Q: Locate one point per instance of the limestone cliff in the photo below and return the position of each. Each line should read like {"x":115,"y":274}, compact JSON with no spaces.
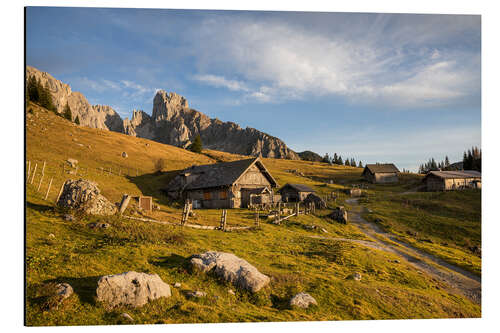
{"x":171,"y":122}
{"x":99,"y":116}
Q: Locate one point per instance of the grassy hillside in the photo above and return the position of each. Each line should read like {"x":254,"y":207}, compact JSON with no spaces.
{"x":65,"y":251}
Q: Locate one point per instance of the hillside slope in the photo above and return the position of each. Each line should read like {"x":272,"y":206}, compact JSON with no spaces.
{"x":69,"y":251}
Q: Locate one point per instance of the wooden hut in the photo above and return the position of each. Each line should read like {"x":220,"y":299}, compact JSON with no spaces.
{"x":224,"y":185}
{"x":381,"y":173}
{"x":452,"y":180}
{"x":295,"y":192}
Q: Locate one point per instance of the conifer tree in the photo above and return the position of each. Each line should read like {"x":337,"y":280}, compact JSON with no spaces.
{"x":360,"y":165}
{"x":67,"y":112}
{"x":197,"y":145}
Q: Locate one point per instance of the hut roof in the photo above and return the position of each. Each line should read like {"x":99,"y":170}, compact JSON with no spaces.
{"x":218,"y":174}
{"x":299,"y":187}
{"x":381,"y":168}
{"x":455,"y":174}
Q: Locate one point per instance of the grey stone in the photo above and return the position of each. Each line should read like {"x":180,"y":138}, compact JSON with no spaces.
{"x":85,"y":196}
{"x":177,"y":285}
{"x":69,"y":217}
{"x":302,"y":300}
{"x":124,"y":155}
{"x":72,"y":162}
{"x":231,"y":291}
{"x":131,"y":288}
{"x":64,"y":290}
{"x":52,"y":236}
{"x":231,"y":268}
{"x":356,"y":276}
{"x":196,"y":294}
{"x":127,"y":317}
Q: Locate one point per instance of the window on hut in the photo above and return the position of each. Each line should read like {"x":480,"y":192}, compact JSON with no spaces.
{"x":206,"y":195}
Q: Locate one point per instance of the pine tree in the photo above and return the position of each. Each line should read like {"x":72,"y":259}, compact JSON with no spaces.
{"x":446,"y":162}
{"x":335,"y":159}
{"x":326,"y":158}
{"x":340,"y":161}
{"x":67,"y":113}
{"x":360,"y":165}
{"x":32,"y":90}
{"x":347,"y":163}
{"x":353,"y":162}
{"x":197,"y":145}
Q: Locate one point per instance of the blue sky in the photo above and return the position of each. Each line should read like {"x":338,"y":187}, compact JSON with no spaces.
{"x":376,"y":87}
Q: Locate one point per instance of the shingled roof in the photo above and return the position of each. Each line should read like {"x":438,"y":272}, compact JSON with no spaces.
{"x":218,"y":174}
{"x":299,"y":187}
{"x":381,"y":168}
{"x":455,"y":174}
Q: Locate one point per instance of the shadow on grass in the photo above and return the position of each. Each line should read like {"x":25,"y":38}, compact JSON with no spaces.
{"x":38,"y":207}
{"x":280,"y":303}
{"x":153,"y":184}
{"x":84,"y":287}
{"x":171,"y":261}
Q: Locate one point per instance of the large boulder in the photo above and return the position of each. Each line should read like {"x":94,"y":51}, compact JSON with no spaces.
{"x":131,"y":288}
{"x":231,"y":268}
{"x":85,"y":196}
{"x":302,"y":300}
{"x":339,"y":214}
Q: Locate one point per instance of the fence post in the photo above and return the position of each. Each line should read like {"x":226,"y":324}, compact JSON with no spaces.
{"x":297,"y":209}
{"x":124,"y":203}
{"x":223,"y":220}
{"x":60,"y":192}
{"x":48,"y":189}
{"x":43,"y":168}
{"x":34,"y":173}
{"x":40,"y":183}
{"x":29,"y":171}
{"x":256,"y":217}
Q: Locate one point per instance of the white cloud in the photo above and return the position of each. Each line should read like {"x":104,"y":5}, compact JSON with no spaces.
{"x":392,"y":67}
{"x":220,"y":81}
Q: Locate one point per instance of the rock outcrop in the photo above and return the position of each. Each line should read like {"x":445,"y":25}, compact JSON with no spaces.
{"x":131,"y":288}
{"x":302,"y":300}
{"x":85,"y":196}
{"x":98,"y":116}
{"x":231,"y":268}
{"x":171,"y":122}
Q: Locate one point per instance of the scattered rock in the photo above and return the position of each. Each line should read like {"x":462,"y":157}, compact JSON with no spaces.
{"x":231,"y":291}
{"x":131,"y":288}
{"x":69,"y":217}
{"x":99,"y":225}
{"x":302,"y":300}
{"x":231,"y":268}
{"x":124,"y":155}
{"x":356,"y":276}
{"x":324,"y":230}
{"x":127,"y":317}
{"x":396,"y":261}
{"x":72,"y":162}
{"x":84,"y":195}
{"x":177,"y":285}
{"x":196,"y":294}
{"x":64,"y":290}
{"x":52,"y":236}
{"x":339,"y":215}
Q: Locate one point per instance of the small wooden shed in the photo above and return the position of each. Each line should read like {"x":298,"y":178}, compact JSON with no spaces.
{"x":294,"y":192}
{"x":452,"y":180}
{"x":381,"y":173}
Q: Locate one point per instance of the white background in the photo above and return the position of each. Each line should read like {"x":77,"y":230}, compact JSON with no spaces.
{"x":12,"y":157}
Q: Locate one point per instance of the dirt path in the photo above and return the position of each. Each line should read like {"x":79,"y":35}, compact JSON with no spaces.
{"x":458,"y":279}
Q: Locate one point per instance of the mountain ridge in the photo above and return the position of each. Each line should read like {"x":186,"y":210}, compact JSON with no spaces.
{"x":172,"y":122}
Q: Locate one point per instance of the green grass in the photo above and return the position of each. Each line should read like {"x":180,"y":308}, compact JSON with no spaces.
{"x":446,"y":224}
{"x":295,"y":262}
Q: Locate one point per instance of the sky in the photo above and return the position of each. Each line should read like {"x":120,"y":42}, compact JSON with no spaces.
{"x":398,"y":88}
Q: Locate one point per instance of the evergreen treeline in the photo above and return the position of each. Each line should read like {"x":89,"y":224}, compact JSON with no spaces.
{"x":337,"y":159}
{"x":39,"y":94}
{"x":471,"y":161}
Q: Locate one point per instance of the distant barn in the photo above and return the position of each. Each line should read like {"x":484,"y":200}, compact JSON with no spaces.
{"x":452,"y":180}
{"x":224,"y":185}
{"x":381,"y":173}
{"x":295,"y":192}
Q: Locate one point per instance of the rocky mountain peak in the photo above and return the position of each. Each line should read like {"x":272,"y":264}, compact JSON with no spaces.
{"x":167,"y":105}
